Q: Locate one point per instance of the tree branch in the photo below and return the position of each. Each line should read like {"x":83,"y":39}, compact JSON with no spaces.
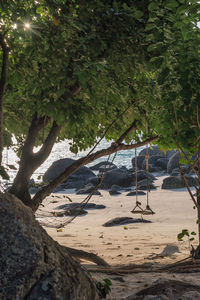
{"x":48,"y":189}
{"x":40,"y":156}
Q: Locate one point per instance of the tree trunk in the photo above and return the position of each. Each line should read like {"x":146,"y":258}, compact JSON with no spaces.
{"x":34,"y":266}
{"x":30,"y":161}
{"x":4,"y":70}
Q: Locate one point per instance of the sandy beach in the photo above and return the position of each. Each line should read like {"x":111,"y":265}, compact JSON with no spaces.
{"x":136,"y":243}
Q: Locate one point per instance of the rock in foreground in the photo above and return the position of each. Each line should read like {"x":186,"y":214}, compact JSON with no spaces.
{"x":33,"y":265}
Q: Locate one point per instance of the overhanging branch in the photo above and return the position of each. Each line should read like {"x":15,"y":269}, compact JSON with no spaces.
{"x":48,"y":189}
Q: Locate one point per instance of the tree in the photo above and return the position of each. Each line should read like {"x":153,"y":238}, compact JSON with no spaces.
{"x":174,"y":108}
{"x":65,"y":78}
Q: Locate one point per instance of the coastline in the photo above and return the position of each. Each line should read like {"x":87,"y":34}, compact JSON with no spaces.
{"x":136,"y":243}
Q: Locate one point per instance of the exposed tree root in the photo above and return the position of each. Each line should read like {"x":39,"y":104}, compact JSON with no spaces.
{"x":80,"y":254}
{"x":187,"y":265}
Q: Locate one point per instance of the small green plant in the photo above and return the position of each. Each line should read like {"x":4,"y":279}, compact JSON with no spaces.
{"x":104,"y":288}
{"x":190,"y":236}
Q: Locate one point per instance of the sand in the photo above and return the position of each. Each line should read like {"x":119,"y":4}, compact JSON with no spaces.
{"x":139,"y":243}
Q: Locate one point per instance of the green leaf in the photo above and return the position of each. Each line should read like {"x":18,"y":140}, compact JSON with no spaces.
{"x":192,"y":239}
{"x":193,"y":233}
{"x":153,"y":6}
{"x":171,"y":4}
{"x":3,"y":173}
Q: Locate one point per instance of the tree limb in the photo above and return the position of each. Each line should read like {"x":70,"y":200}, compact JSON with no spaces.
{"x":4,"y":71}
{"x":48,"y":189}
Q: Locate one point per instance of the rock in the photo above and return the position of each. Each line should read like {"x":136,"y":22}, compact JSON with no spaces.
{"x":114,"y":193}
{"x":116,"y":177}
{"x":93,"y":180}
{"x":142,"y":175}
{"x":82,"y":175}
{"x":116,"y":187}
{"x":153,"y":150}
{"x":144,"y":186}
{"x":133,"y":193}
{"x":123,"y":221}
{"x":162,"y":163}
{"x":191,"y":295}
{"x":75,"y":205}
{"x":76,"y":212}
{"x":140,"y":160}
{"x":173,"y":162}
{"x":102,"y":164}
{"x":88,"y":189}
{"x":176,"y":182}
{"x":169,"y":250}
{"x":33,"y":265}
{"x":172,"y":289}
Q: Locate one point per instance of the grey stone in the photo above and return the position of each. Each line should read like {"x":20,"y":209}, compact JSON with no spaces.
{"x":88,"y":189}
{"x":162,"y":163}
{"x":60,"y":165}
{"x":123,"y":221}
{"x":39,"y":268}
{"x":191,"y":295}
{"x":117,"y":177}
{"x":175,"y":182}
{"x":173,"y":162}
{"x":133,"y":193}
{"x":114,"y":193}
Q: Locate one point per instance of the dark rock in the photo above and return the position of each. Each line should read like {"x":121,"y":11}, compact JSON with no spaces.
{"x":142,"y":175}
{"x":172,"y":289}
{"x":116,"y":187}
{"x":76,"y":212}
{"x":153,"y":150}
{"x":123,"y":221}
{"x":133,"y":193}
{"x":162,"y":163}
{"x":102,"y":164}
{"x":93,"y":180}
{"x":173,"y":162}
{"x":82,"y":175}
{"x":116,"y":177}
{"x":145,"y":187}
{"x":99,"y":206}
{"x":175,"y":182}
{"x":88,"y":189}
{"x":74,"y":205}
{"x":33,"y":265}
{"x":114,"y":193}
{"x":140,"y":160}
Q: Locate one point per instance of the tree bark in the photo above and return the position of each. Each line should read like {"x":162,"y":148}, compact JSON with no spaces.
{"x":4,"y":70}
{"x":48,"y":189}
{"x":30,"y":161}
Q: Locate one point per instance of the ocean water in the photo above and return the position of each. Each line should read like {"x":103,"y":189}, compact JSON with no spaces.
{"x":61,"y":150}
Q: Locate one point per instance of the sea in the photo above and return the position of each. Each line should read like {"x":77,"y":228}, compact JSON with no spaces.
{"x":62,"y":150}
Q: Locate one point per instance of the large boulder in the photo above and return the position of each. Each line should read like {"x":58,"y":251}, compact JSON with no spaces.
{"x":76,"y":180}
{"x":176,"y":182}
{"x":173,"y":162}
{"x":33,"y":265}
{"x":152,"y":151}
{"x":123,"y":179}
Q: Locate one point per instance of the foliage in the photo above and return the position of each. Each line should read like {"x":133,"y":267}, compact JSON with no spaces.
{"x":175,"y":39}
{"x":78,"y":62}
{"x":104,"y":288}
